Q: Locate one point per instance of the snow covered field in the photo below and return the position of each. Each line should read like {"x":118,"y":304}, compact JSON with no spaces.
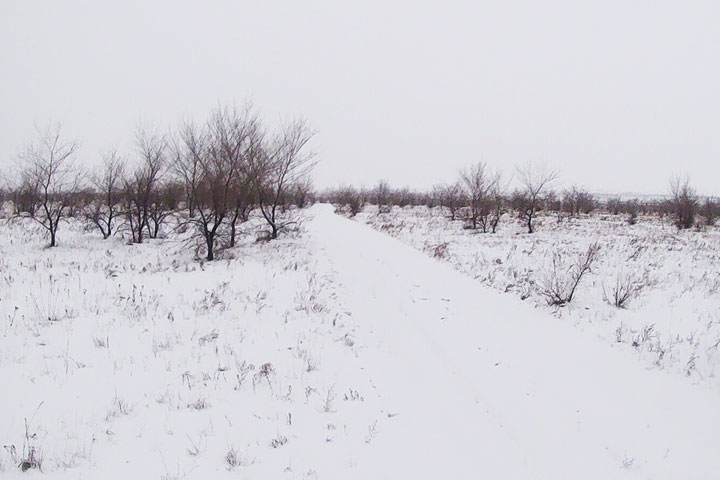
{"x":136,"y":360}
{"x":339,"y":352}
{"x":671,"y":322}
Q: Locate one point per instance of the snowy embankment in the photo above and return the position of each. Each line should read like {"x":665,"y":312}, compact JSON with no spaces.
{"x":337,"y":353}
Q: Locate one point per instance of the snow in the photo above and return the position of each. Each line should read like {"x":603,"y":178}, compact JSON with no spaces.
{"x":384,"y":363}
{"x":673,"y":323}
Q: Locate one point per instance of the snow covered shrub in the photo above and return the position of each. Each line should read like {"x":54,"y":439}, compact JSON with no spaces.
{"x":561,"y":282}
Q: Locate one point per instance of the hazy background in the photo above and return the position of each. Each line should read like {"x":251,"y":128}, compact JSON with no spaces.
{"x":617,"y":95}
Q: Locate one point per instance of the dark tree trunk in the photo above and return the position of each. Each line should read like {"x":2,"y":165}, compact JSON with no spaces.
{"x":210,"y":240}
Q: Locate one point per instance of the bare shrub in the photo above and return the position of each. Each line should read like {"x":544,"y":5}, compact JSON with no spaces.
{"x":232,"y":459}
{"x":329,"y":400}
{"x":561,"y":283}
{"x":626,"y":287}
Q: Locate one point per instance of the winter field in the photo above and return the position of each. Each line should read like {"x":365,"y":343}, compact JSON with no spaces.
{"x":670,"y":320}
{"x":338,"y":351}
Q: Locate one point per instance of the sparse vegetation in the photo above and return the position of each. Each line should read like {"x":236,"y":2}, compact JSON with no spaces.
{"x":561,"y":282}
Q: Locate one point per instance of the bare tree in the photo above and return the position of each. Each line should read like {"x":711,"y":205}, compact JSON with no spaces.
{"x":497,"y":203}
{"x":381,"y":196}
{"x":577,"y":200}
{"x":186,"y":149}
{"x":349,"y":197}
{"x":103,"y":212}
{"x":710,"y":211}
{"x":450,"y":196}
{"x":140,"y":187}
{"x":219,"y":152}
{"x":684,"y":202}
{"x":23,"y":194}
{"x":478,"y":183}
{"x":278,"y":165}
{"x":534,"y":181}
{"x":244,"y":196}
{"x":162,"y":199}
{"x":614,"y":205}
{"x":49,"y":176}
{"x":302,"y":193}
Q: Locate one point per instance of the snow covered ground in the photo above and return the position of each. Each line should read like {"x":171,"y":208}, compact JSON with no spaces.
{"x":336,"y":352}
{"x":672,"y":323}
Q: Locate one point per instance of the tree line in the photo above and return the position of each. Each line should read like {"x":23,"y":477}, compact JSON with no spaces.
{"x":209,"y":175}
{"x":480,"y":198}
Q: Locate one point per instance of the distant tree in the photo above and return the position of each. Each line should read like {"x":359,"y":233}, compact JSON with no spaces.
{"x":534,"y":181}
{"x":350,"y":198}
{"x":497,"y":204}
{"x":710,"y":211}
{"x":23,"y":195}
{"x":105,"y":210}
{"x":302,"y":193}
{"x":684,"y":202}
{"x":614,"y":205}
{"x":402,"y":197}
{"x":48,"y":178}
{"x":631,"y":209}
{"x":577,"y":200}
{"x":478,"y":183}
{"x":381,"y":195}
{"x":450,"y":196}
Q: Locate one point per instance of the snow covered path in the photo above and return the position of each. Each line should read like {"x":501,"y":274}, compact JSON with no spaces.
{"x":479,"y":385}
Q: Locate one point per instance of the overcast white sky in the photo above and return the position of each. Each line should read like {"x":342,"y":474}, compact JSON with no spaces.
{"x":617,"y":95}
